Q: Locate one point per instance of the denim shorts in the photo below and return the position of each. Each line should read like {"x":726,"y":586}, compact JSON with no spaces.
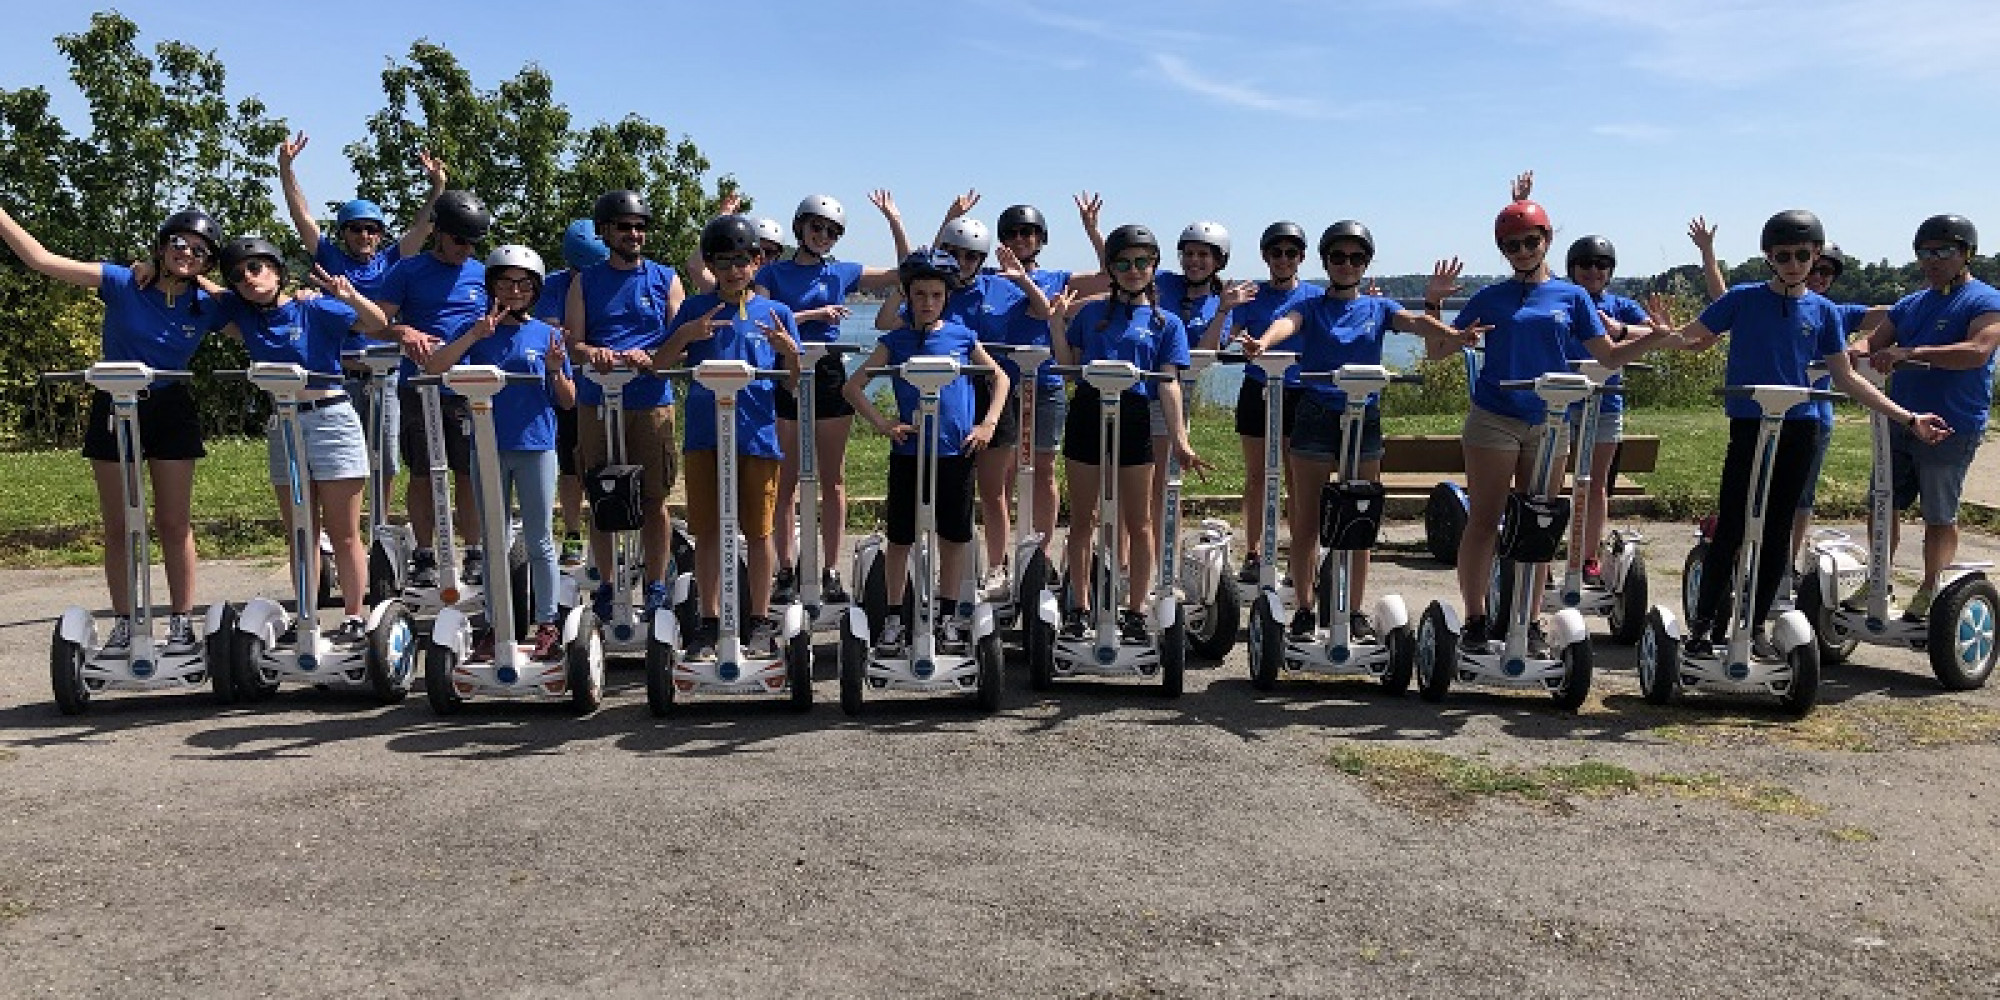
{"x":1811,"y":495}
{"x":1051,"y":410}
{"x":1316,"y":430}
{"x":1931,"y":473}
{"x":1610,"y":427}
{"x":336,"y":447}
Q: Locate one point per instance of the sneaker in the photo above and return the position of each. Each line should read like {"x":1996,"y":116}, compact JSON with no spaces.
{"x":764,"y":635}
{"x":998,"y":586}
{"x":572,"y":550}
{"x":482,"y":645}
{"x":656,"y":596}
{"x":891,"y":640}
{"x":600,"y":602}
{"x":290,"y":636}
{"x":954,"y":630}
{"x":1762,"y":649}
{"x":1475,"y":639}
{"x":1132,"y":628}
{"x":1697,"y":644}
{"x":180,"y":636}
{"x":1361,"y":628}
{"x":1538,"y":640}
{"x":120,"y":641}
{"x":701,"y":642}
{"x":548,"y":642}
{"x":785,"y":589}
{"x":1303,"y":624}
{"x":474,"y":573}
{"x":830,"y":589}
{"x":424,"y":568}
{"x":1920,"y":604}
{"x":1593,"y":574}
{"x":352,"y":632}
{"x":1253,"y":568}
{"x":1075,"y":624}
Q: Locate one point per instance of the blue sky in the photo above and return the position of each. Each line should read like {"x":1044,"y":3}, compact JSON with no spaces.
{"x":1409,"y":115}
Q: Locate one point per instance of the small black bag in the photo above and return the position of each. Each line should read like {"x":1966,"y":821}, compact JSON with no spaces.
{"x":1534,"y":528}
{"x":617,"y":497}
{"x":1350,"y":515}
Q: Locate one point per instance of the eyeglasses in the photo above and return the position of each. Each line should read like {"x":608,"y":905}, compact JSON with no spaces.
{"x":249,"y":267}
{"x":198,"y":251}
{"x":730,"y":260}
{"x":1826,"y":272}
{"x":1284,"y":251}
{"x":1018,"y":231}
{"x":630,"y":227}
{"x":770,"y":251}
{"x":521,"y":283}
{"x":1788,"y":256}
{"x":1520,"y":243}
{"x":1354,"y":258}
{"x":963,"y":254}
{"x":1946,"y":252}
{"x":824,"y":228}
{"x":1597,"y":263}
{"x":363,"y":228}
{"x":1124,"y":264}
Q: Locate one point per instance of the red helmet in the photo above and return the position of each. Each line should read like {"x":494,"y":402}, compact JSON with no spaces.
{"x":1520,"y":217}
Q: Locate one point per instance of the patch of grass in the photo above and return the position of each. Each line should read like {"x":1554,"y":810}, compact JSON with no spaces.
{"x":1853,"y":835}
{"x":1871,"y":726}
{"x":15,"y":909}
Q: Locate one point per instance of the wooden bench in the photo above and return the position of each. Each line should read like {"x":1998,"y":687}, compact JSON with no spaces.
{"x":1413,"y":463}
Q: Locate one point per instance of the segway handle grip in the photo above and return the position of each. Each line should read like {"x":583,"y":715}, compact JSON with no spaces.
{"x":1811,"y":396}
{"x":967,"y":371}
{"x":159,"y":375}
{"x":1518,"y":384}
{"x":62,"y":376}
{"x":761,"y":373}
{"x":372,"y":351}
{"x":421,"y":380}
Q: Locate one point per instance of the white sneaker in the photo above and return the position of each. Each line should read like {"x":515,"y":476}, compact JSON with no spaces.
{"x":998,"y":586}
{"x":120,"y":641}
{"x":180,"y":636}
{"x":891,"y":640}
{"x":1762,"y":649}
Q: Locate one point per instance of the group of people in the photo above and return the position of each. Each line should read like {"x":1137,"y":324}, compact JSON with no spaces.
{"x":744,"y":294}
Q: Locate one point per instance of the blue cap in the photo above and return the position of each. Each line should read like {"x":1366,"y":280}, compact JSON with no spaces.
{"x":581,"y":247}
{"x":358,"y":210}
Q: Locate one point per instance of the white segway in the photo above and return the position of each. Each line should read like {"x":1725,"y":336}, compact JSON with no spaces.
{"x":1030,"y":570}
{"x":734,"y":670}
{"x":1623,"y":596}
{"x":974,"y":669}
{"x":1845,"y":590}
{"x":1350,"y":516}
{"x":79,"y":665}
{"x":389,"y":544}
{"x":616,"y":508}
{"x":1531,"y":532}
{"x":1200,"y":568}
{"x":270,"y":645}
{"x":1447,"y":508}
{"x":1100,"y":652}
{"x":450,"y":590}
{"x":1666,"y":669}
{"x":820,"y":615}
{"x":451,"y":674}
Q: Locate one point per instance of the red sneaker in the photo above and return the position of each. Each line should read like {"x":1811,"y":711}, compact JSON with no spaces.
{"x":548,"y":642}
{"x":482,"y":645}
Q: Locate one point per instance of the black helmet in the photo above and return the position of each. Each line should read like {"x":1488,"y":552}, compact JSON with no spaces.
{"x":729,"y":234}
{"x":1282,"y":231}
{"x":1590,"y":248}
{"x":1017,"y":216}
{"x":926,"y":262}
{"x":242,"y":248}
{"x":462,"y":214}
{"x":1794,"y":225}
{"x":1127,"y":238}
{"x":1345,"y":229}
{"x":612,"y":205}
{"x":1956,"y":228}
{"x":194,"y":221}
{"x":1831,"y":257}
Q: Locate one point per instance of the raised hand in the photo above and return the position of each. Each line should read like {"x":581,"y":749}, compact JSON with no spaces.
{"x":781,"y":340}
{"x":730,"y":203}
{"x":1702,"y":234}
{"x":1089,"y":205}
{"x":290,"y":149}
{"x":1444,"y":280}
{"x":701,"y":327}
{"x":885,"y":203}
{"x":1010,"y":265}
{"x":558,"y":352}
{"x":1236,"y":294}
{"x":336,"y":285}
{"x":433,"y":168}
{"x":961,"y":205}
{"x":1524,"y":185}
{"x":489,"y":322}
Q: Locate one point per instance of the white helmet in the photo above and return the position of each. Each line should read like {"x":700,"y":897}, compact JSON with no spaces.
{"x":516,"y":255}
{"x":822,"y":206}
{"x":1210,"y":233}
{"x":967,"y":234}
{"x":768,"y":229}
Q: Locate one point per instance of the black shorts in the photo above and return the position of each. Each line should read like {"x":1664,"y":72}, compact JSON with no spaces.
{"x":566,"y":441}
{"x":1008,"y":433}
{"x":169,"y":426}
{"x":1081,"y":442}
{"x":1250,"y":410}
{"x":456,"y":414}
{"x":953,"y":503}
{"x":829,"y":376}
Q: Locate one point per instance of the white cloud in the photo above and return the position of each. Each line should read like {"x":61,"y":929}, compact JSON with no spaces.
{"x":1176,"y":71}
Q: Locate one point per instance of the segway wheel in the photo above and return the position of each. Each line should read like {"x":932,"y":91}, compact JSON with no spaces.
{"x":219,"y":655}
{"x":799,"y":671}
{"x":1444,"y":522}
{"x":1577,"y":668}
{"x":251,"y":684}
{"x":853,"y":672}
{"x":1799,"y":699}
{"x":1963,"y":626}
{"x":1813,"y":604}
{"x":992,"y":673}
{"x":438,"y":664}
{"x":1691,"y":579}
{"x":1173,"y":655}
{"x":1628,"y":611}
{"x":660,"y":659}
{"x":1217,"y":634}
{"x":1659,"y":656}
{"x":1041,"y":647}
{"x":1437,"y":654}
{"x":66,"y":662}
{"x":381,"y":574}
{"x":1034,"y":577}
{"x":392,"y":655}
{"x":583,"y":660}
{"x":1500,"y":591}
{"x":1266,"y":645}
{"x":680,"y":549}
{"x":327,"y":597}
{"x":1402,"y":645}
{"x":517,"y":587}
{"x":875,"y":596}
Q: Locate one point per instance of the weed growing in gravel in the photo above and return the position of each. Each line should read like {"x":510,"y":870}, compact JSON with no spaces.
{"x":1853,"y":727}
{"x":1427,"y":780}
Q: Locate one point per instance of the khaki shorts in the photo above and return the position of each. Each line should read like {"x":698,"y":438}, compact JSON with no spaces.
{"x":1493,"y":432}
{"x":756,"y":495}
{"x":649,"y":443}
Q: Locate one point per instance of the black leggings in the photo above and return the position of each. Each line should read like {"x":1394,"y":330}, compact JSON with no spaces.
{"x":1789,"y":471}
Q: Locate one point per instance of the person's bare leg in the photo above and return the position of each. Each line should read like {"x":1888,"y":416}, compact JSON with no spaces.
{"x":173,"y":523}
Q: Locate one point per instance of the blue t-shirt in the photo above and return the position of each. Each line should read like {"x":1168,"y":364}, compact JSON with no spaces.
{"x":1623,"y":310}
{"x":757,"y":404}
{"x":554,"y":300}
{"x":955,"y":401}
{"x":1130,"y":335}
{"x":524,"y":416}
{"x":309,"y":333}
{"x":800,"y":287}
{"x":1537,"y":329}
{"x":1334,"y":332}
{"x":1929,"y":318}
{"x":1024,"y":330}
{"x":1197,"y":312}
{"x":983,"y":305}
{"x":141,"y":325}
{"x":627,"y":310}
{"x":1772,"y":338}
{"x":365,"y":275}
{"x":1252,"y":318}
{"x":434,"y":296}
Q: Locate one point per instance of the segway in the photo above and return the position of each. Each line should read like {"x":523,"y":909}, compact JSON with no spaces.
{"x":79,"y":665}
{"x":1623,"y":596}
{"x":450,"y":591}
{"x":974,"y":669}
{"x":820,"y":615}
{"x":1959,"y":632}
{"x":1350,"y":517}
{"x":389,"y":545}
{"x":451,"y":672}
{"x":1100,"y":652}
{"x":617,"y":507}
{"x":269,"y":645}
{"x":1531,"y":532}
{"x":734,"y":670}
{"x":1447,"y":508}
{"x":1212,"y":600}
{"x":1665,"y":666}
{"x":1031,"y":572}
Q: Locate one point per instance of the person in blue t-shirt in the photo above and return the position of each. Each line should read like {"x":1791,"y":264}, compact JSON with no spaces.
{"x":617,"y":314}
{"x":1532,"y":325}
{"x":309,"y":332}
{"x":581,"y":248}
{"x":524,"y":419}
{"x":1952,"y":325}
{"x":1777,"y":327}
{"x":733,"y":323}
{"x":1338,"y":328}
{"x":1129,"y":326}
{"x":161,"y":325}
{"x":927,"y":277}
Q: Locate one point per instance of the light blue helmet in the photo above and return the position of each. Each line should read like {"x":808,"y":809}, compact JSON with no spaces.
{"x":360,"y":210}
{"x":581,"y":246}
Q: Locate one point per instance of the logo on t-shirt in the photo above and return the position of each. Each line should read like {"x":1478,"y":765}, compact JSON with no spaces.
{"x":1561,"y":316}
{"x":189,"y":331}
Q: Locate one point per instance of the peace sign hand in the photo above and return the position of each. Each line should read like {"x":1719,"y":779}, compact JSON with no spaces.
{"x":290,"y":149}
{"x":489,"y":322}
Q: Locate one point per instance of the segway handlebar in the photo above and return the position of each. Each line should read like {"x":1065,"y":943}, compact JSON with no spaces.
{"x":1799,"y":393}
{"x":1077,"y":372}
{"x":313,"y":380}
{"x":119,"y":369}
{"x":1332,"y":377}
{"x":892,"y":371}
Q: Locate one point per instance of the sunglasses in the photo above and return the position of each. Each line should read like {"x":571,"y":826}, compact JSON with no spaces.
{"x":732,"y":260}
{"x":1020,"y":231}
{"x":1788,"y":256}
{"x":1124,"y":264}
{"x":364,"y":228}
{"x":1597,"y":263}
{"x":248,"y":268}
{"x":198,"y":251}
{"x":964,"y":254}
{"x":1354,"y":258}
{"x":824,"y":228}
{"x":1284,"y":252}
{"x":1937,"y":253}
{"x":1826,"y":272}
{"x":630,"y":227}
{"x":525,"y":284}
{"x":1520,"y":243}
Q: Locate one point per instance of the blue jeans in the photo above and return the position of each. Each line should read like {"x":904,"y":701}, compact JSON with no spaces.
{"x":530,"y":478}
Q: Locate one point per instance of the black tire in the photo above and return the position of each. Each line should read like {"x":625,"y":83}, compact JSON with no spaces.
{"x":219,"y":653}
{"x":1266,"y":646}
{"x":66,"y":663}
{"x":1027,"y":599}
{"x":383,"y":582}
{"x":517,"y":587}
{"x":1691,"y":579}
{"x":392,"y":655}
{"x":1402,"y":644}
{"x":1577,"y":661}
{"x":246,"y":651}
{"x":1217,"y":635}
{"x":1437,"y":654}
{"x":583,"y":659}
{"x":1799,"y":699}
{"x":1323,"y":589}
{"x":1659,"y":661}
{"x":1628,"y":612}
{"x":438,"y":662}
{"x":680,"y":549}
{"x":875,"y":595}
{"x":328,"y":595}
{"x":1173,"y":655}
{"x":799,"y":671}
{"x":853,"y":672}
{"x":1041,"y":647}
{"x":1444,"y":522}
{"x":1965,"y":633}
{"x":992,"y":673}
{"x":660,"y":659}
{"x":1813,"y":604}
